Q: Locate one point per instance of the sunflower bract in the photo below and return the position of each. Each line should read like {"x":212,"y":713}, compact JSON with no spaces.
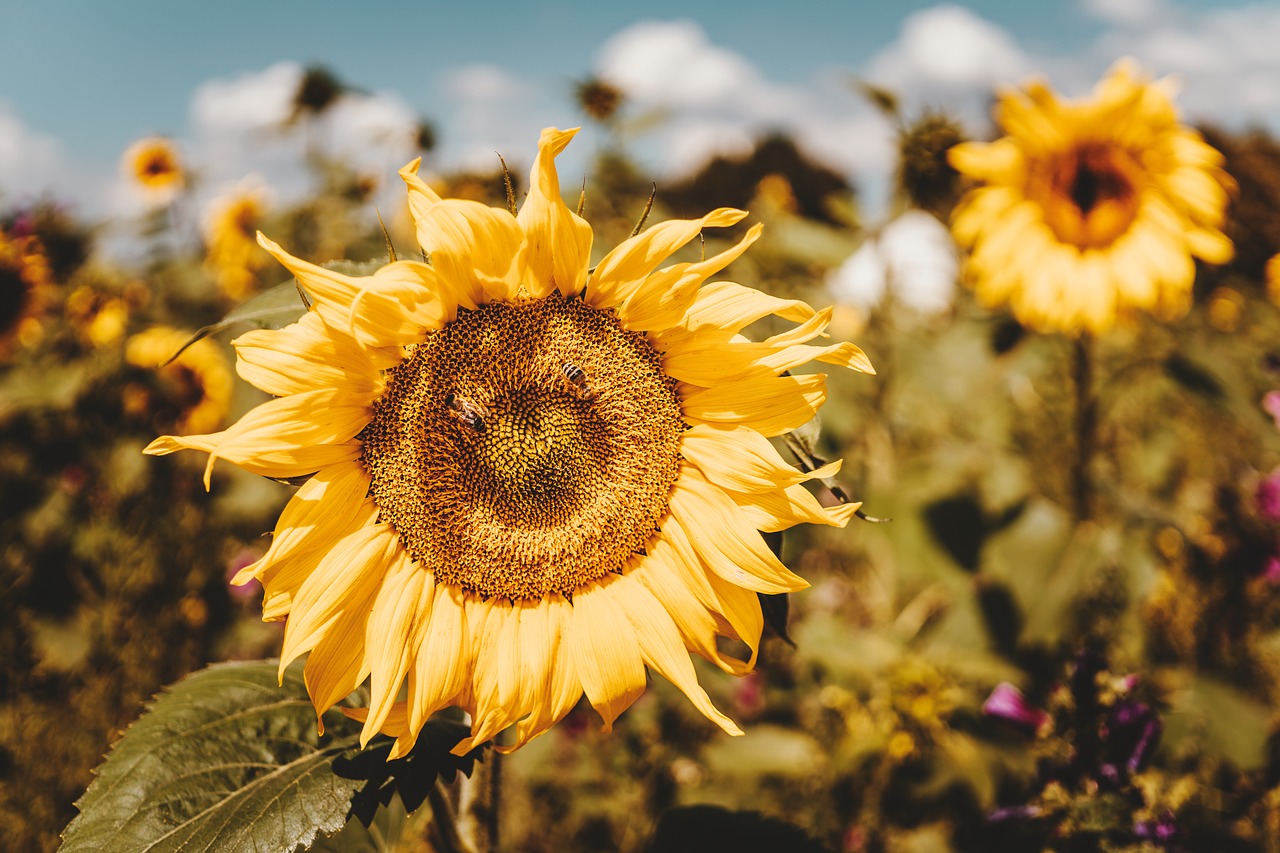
{"x":530,"y":480}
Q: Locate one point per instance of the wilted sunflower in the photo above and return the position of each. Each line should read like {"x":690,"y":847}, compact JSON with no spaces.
{"x":153,"y":165}
{"x":233,"y":255}
{"x":1091,"y":207}
{"x":528,"y":479}
{"x":199,"y":377}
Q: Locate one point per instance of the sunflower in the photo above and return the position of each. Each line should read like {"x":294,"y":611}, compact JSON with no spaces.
{"x":529,"y":478}
{"x":154,"y":166}
{"x":1091,"y":208}
{"x":233,"y":255}
{"x":198,"y":379}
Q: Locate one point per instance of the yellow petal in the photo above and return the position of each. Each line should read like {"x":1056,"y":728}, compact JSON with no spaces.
{"x":770,"y":405}
{"x":660,"y":644}
{"x":308,"y":356}
{"x":330,"y":292}
{"x":350,"y":573}
{"x":724,"y":538}
{"x":621,"y":272}
{"x":780,"y":510}
{"x":606,"y":654}
{"x":441,"y":664}
{"x":478,"y":250}
{"x":742,"y":460}
{"x":559,"y":689}
{"x":399,"y":612}
{"x":559,"y":240}
{"x":402,"y":302}
{"x":286,"y":437}
{"x":312,"y":517}
{"x":662,"y":300}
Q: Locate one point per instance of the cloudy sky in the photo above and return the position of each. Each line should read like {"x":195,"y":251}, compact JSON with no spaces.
{"x":81,"y":79}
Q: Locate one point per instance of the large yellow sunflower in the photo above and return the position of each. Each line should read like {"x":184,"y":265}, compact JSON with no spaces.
{"x":528,"y":479}
{"x":1091,"y":207}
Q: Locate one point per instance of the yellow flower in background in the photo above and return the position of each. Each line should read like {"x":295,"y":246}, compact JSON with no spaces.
{"x":233,"y":255}
{"x":1091,"y":207}
{"x":98,"y":318}
{"x":154,"y":166}
{"x":200,"y":376}
{"x":26,"y":283}
{"x":1272,"y":275}
{"x":529,"y":480}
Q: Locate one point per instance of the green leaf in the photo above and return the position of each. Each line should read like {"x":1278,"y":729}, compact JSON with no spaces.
{"x":224,"y":760}
{"x":1224,"y":720}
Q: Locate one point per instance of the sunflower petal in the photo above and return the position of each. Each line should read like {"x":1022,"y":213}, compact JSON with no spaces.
{"x":559,"y":240}
{"x":771,"y":405}
{"x":606,"y":653}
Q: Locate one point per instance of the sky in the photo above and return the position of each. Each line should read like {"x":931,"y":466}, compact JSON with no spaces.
{"x":81,"y":79}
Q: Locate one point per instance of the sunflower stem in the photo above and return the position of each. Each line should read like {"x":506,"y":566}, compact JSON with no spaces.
{"x":479,"y":804}
{"x":444,"y":824}
{"x":1086,"y":427}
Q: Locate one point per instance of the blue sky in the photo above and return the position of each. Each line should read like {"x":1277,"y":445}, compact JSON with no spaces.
{"x":83,"y":78}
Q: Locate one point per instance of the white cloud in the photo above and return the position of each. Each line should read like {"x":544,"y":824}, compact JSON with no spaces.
{"x":913,"y":256}
{"x":494,"y":111}
{"x":31,"y":163}
{"x":238,"y":126}
{"x":1126,"y":13}
{"x":1226,"y":59}
{"x":714,"y":101}
{"x":945,"y":49}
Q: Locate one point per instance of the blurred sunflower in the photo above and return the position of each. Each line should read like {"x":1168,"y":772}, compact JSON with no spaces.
{"x":198,"y":379}
{"x":1272,"y":275}
{"x":233,"y":255}
{"x":154,"y":166}
{"x":529,"y":479}
{"x":1091,"y":207}
{"x":98,"y":318}
{"x":26,"y":285}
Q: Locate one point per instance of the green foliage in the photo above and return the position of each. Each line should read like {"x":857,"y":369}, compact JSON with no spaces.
{"x":224,"y":760}
{"x":228,"y":759}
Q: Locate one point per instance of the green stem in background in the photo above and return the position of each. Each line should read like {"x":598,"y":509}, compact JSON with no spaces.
{"x":1086,"y":427}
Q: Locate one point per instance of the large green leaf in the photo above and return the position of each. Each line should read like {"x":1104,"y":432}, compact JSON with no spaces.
{"x":224,"y":760}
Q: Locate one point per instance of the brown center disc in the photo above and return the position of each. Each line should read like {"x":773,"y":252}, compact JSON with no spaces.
{"x":525,"y":449}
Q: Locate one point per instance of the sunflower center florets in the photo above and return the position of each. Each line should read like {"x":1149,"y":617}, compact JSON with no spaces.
{"x":526,"y":449}
{"x":1089,"y":193}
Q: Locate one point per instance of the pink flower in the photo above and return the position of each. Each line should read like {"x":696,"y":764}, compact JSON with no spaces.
{"x":1007,"y":703}
{"x":1267,"y":496}
{"x":1271,"y":404}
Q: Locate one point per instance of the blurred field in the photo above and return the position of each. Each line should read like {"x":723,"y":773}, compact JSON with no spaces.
{"x":1120,"y":571}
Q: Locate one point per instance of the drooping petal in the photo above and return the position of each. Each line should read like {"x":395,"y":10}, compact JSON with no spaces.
{"x":559,"y":241}
{"x":394,"y":626}
{"x":774,"y":511}
{"x":660,"y":644}
{"x":606,"y":653}
{"x":350,"y":573}
{"x":725,"y":539}
{"x":286,"y":437}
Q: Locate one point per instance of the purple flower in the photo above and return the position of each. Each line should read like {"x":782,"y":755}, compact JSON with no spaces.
{"x":1133,"y":732}
{"x":1267,"y":496}
{"x":1160,"y":831}
{"x":1014,"y":813}
{"x":1007,"y":703}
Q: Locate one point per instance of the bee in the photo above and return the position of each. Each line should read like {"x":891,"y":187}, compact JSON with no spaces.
{"x":466,"y":412}
{"x":578,"y":381}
